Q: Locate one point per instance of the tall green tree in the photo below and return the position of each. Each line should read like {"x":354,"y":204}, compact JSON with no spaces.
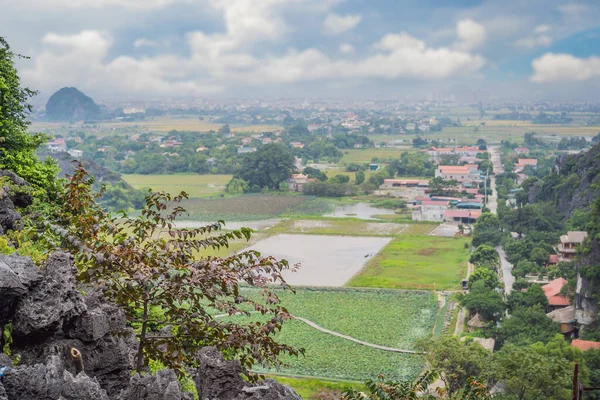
{"x":267,"y":167}
{"x":17,"y":146}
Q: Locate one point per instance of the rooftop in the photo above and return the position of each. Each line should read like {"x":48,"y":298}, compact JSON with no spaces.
{"x":585,"y":345}
{"x":573,"y":237}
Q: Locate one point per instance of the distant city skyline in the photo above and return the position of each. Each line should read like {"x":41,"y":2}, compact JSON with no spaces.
{"x":376,"y":49}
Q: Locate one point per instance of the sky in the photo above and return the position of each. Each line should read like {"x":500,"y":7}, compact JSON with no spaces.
{"x":371,"y":49}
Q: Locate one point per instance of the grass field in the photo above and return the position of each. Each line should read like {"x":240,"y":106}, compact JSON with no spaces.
{"x":385,"y":317}
{"x":316,"y":389}
{"x":253,"y":207}
{"x":158,"y":124}
{"x":195,"y":185}
{"x":416,"y":262}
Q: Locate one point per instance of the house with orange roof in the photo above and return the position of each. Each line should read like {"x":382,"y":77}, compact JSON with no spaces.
{"x":297,"y":181}
{"x":585,"y":345}
{"x":462,"y":216}
{"x":552,"y":292}
{"x":459,"y":173}
{"x":527,"y":162}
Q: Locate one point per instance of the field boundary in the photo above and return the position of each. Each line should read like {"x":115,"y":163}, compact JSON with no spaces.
{"x":340,"y":335}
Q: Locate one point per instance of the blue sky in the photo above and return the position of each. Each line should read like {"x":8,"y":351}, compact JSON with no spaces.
{"x":142,"y":49}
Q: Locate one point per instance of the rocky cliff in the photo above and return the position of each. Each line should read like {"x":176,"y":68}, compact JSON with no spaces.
{"x":50,"y":315}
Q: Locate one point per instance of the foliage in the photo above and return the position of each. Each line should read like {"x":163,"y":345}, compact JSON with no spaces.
{"x":458,"y":362}
{"x":17,"y":146}
{"x":485,"y":255}
{"x":592,"y":362}
{"x":267,"y":167}
{"x":7,"y":339}
{"x":140,"y":270}
{"x":485,"y":275}
{"x":483,"y":300}
{"x":529,"y":375}
{"x":359,"y":177}
{"x":527,"y":325}
{"x":487,"y":230}
{"x":237,"y":186}
{"x":392,"y":204}
{"x":381,"y":389}
{"x":411,"y":164}
{"x":533,"y":296}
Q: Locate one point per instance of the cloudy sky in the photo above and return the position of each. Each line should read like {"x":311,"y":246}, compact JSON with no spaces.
{"x":139,"y":49}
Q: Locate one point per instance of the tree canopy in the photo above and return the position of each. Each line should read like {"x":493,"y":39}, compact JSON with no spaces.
{"x":267,"y":167}
{"x":17,"y":146}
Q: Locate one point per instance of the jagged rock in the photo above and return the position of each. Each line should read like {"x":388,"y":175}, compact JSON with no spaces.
{"x":50,"y":382}
{"x":217,"y":379}
{"x":55,"y":300}
{"x":20,"y":198}
{"x":269,"y":389}
{"x":17,"y":275}
{"x":2,"y":392}
{"x":161,"y":386}
{"x":100,"y":319}
{"x":9,"y":218}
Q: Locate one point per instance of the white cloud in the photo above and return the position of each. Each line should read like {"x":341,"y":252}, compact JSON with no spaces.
{"x":346,"y":48}
{"x":471,"y":35}
{"x":143,"y":42}
{"x":534,"y":41}
{"x":336,"y":24}
{"x":562,"y":67}
{"x":542,"y":28}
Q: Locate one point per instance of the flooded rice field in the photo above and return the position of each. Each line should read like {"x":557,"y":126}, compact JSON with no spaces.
{"x":325,"y":260}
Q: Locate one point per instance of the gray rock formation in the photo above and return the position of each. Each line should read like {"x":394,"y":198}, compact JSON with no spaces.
{"x":161,"y":386}
{"x":17,"y":276}
{"x":50,"y":382}
{"x":52,"y":302}
{"x":217,"y":378}
{"x":51,"y":315}
{"x":10,"y":219}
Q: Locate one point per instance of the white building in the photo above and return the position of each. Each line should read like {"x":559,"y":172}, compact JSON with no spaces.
{"x":430,"y":210}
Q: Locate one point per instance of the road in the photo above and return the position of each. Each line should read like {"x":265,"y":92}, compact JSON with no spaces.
{"x":507,"y":276}
{"x":492,"y":203}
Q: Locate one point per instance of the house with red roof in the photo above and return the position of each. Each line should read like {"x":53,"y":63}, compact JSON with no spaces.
{"x":552,"y":292}
{"x":585,"y":345}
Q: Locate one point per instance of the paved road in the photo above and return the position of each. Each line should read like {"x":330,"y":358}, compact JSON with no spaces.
{"x":507,"y":275}
{"x":497,"y":163}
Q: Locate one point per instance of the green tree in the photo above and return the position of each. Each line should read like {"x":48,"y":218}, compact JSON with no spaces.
{"x":359,"y":177}
{"x":237,"y":186}
{"x":527,"y":325}
{"x":458,"y":362}
{"x":17,"y":146}
{"x":529,"y":375}
{"x":485,"y":275}
{"x":267,"y":167}
{"x":486,"y":302}
{"x":533,"y":296}
{"x":152,"y":270}
{"x":394,"y":390}
{"x":340,"y":179}
{"x":485,"y":255}
{"x":487,"y":230}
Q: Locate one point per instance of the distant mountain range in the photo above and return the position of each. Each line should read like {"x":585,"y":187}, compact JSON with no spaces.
{"x":69,"y":104}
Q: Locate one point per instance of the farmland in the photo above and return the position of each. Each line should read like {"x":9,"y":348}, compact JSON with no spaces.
{"x":193,"y":184}
{"x":389,"y":318}
{"x":252,"y":207}
{"x":157,"y":124}
{"x":417,"y":262}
